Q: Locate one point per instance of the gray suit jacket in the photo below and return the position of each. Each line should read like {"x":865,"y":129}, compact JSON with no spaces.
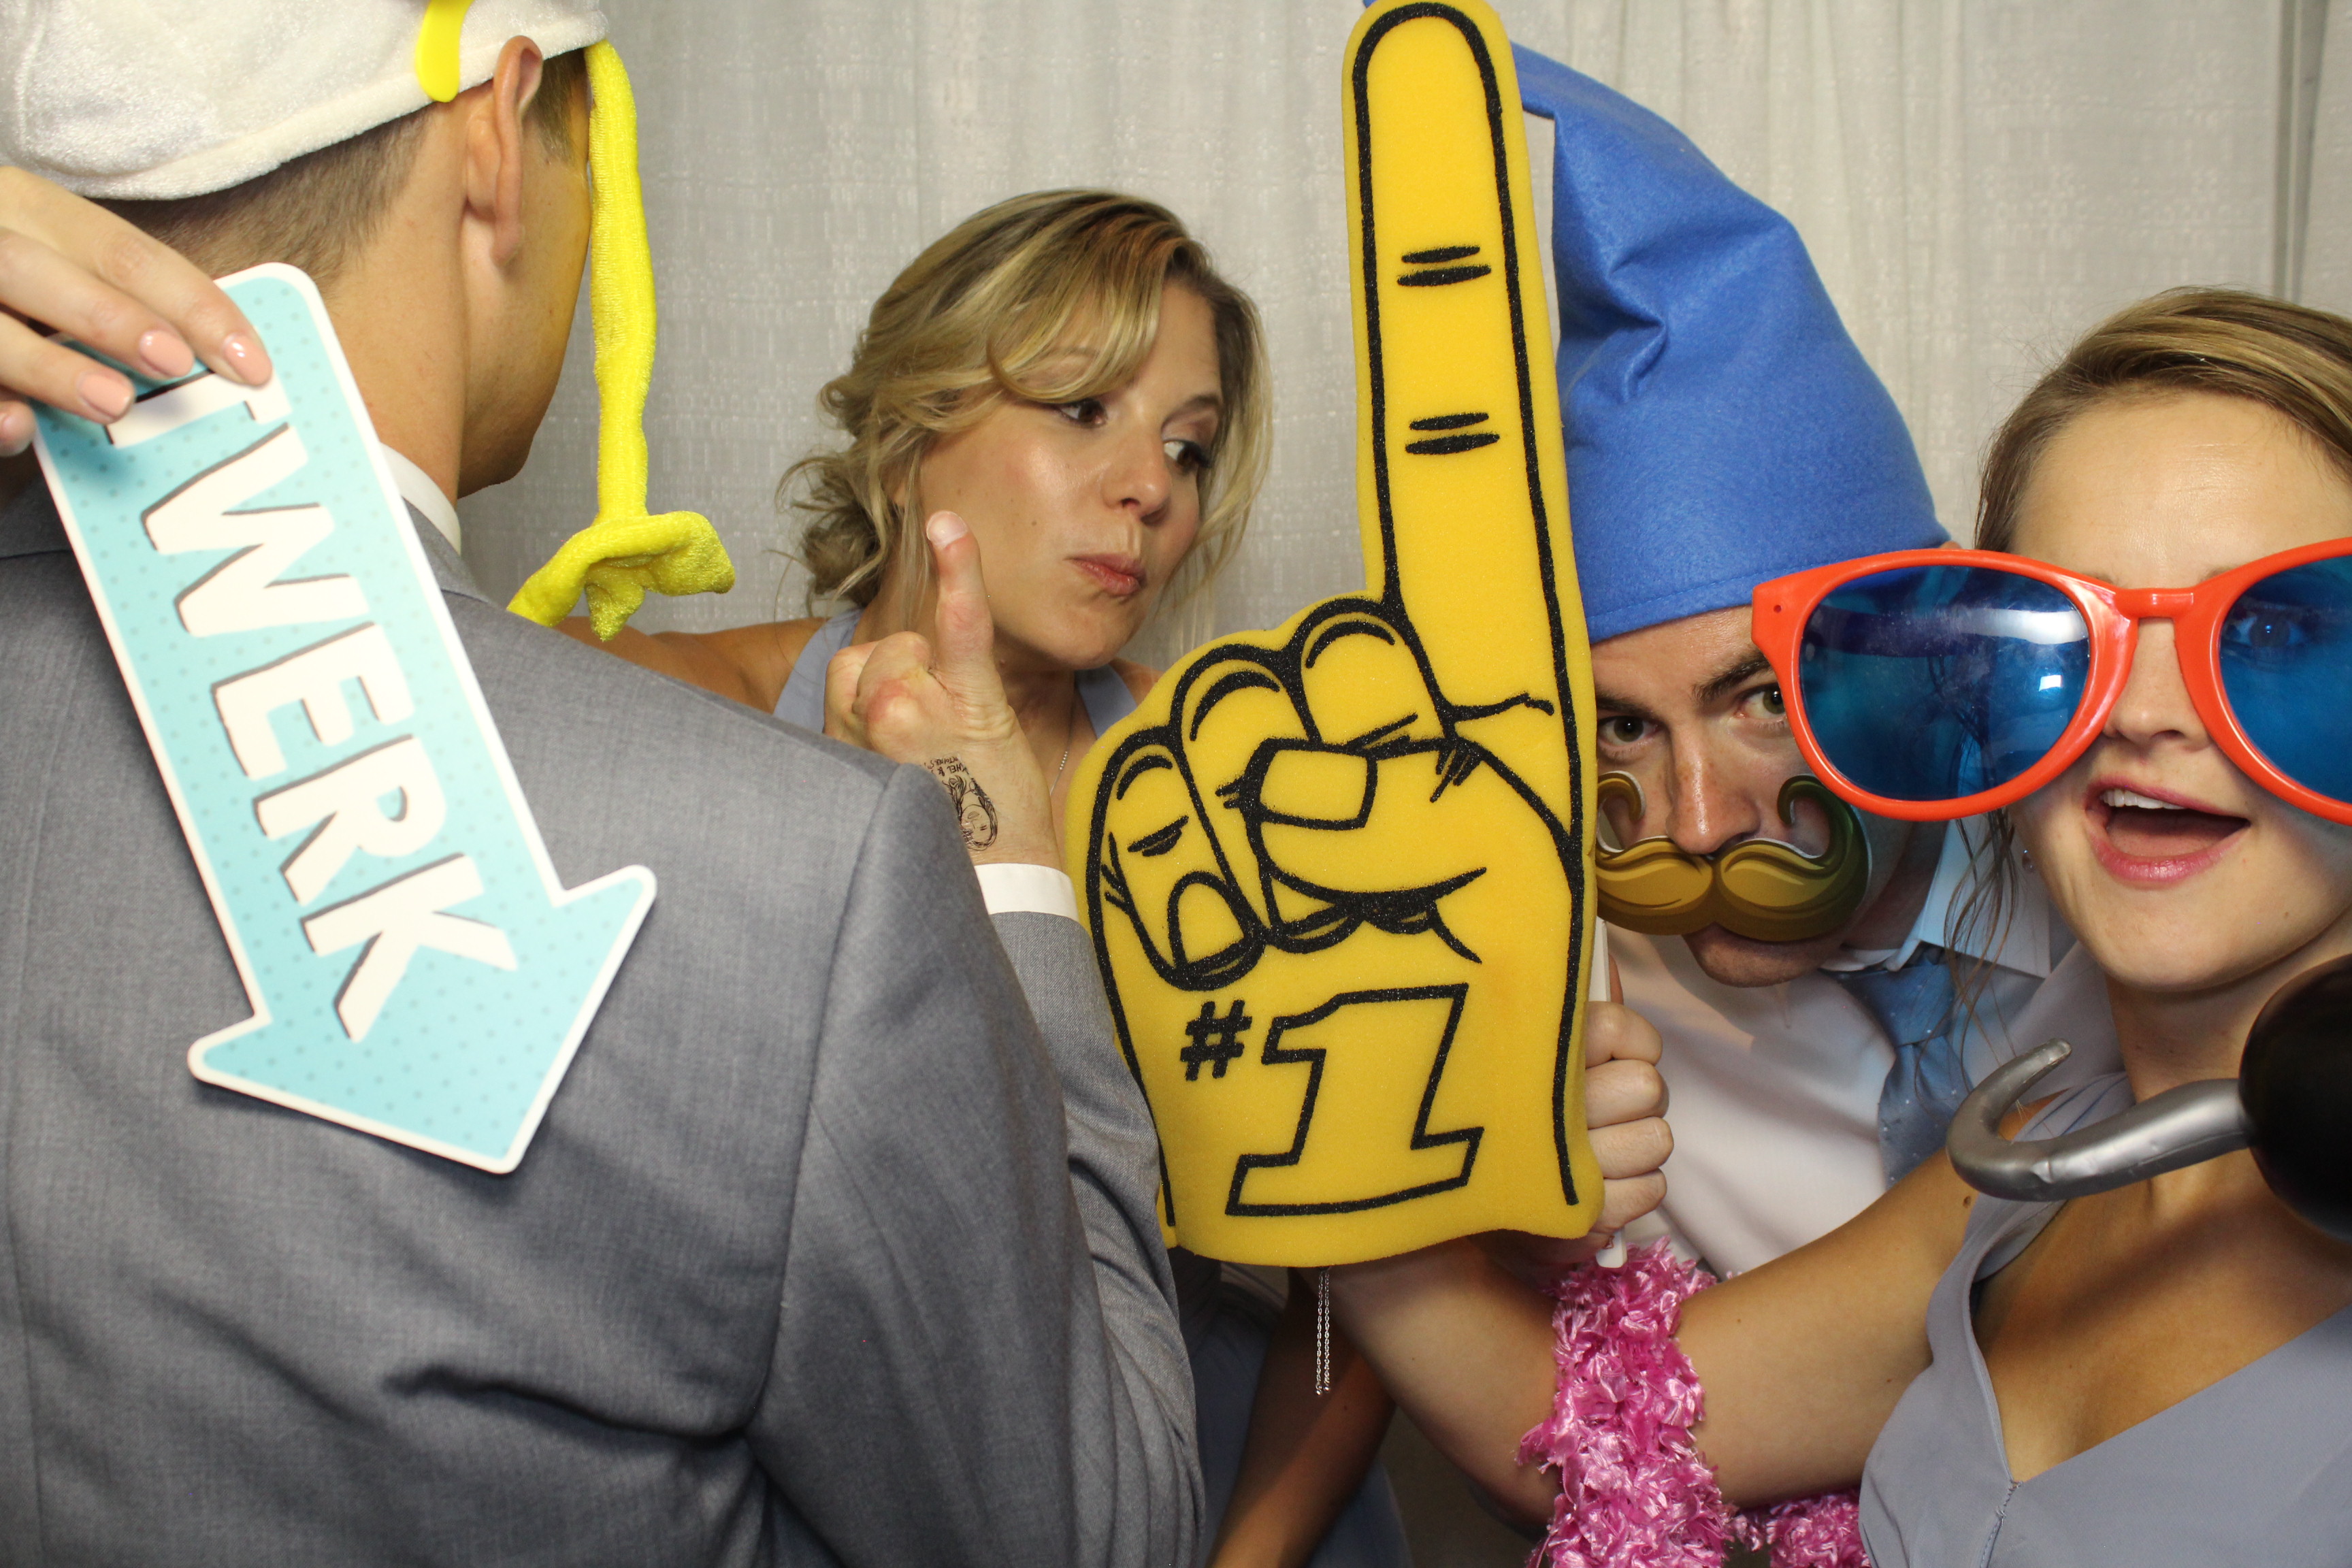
{"x":826,"y":1252}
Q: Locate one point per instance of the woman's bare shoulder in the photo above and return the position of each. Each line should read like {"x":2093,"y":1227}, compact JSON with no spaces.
{"x":743,"y":664}
{"x":765,"y":654}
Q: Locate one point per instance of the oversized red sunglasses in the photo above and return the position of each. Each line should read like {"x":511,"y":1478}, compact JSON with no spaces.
{"x":1928,"y":684}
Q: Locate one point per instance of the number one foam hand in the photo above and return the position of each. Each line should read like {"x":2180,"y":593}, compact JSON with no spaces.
{"x":1337,"y":874}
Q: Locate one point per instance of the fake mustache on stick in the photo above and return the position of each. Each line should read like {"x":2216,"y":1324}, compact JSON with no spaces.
{"x":1760,"y":888}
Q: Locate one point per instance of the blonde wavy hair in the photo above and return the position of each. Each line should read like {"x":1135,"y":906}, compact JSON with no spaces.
{"x":991,"y":310}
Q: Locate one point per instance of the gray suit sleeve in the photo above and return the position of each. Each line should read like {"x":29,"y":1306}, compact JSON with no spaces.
{"x":1114,"y":1162}
{"x":976,"y":1357}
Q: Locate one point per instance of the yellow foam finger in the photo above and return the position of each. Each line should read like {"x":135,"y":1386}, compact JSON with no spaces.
{"x":1375,"y":817}
{"x":1461,"y":486}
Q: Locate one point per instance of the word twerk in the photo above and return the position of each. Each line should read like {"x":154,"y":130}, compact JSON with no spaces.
{"x":338,"y":812}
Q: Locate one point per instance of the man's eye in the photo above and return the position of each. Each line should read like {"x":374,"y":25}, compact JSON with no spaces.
{"x":1085,"y":411}
{"x":1185,"y":457}
{"x":1621,"y":731}
{"x":1770,"y":701}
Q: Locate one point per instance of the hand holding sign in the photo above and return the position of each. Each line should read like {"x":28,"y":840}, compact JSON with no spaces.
{"x":416,"y":969}
{"x":72,"y":266}
{"x":1336,"y":875}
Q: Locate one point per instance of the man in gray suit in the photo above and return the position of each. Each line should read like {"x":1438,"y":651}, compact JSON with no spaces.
{"x":831,"y":1247}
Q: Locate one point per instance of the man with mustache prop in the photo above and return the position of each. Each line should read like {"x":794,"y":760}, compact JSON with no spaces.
{"x":1829,"y":986}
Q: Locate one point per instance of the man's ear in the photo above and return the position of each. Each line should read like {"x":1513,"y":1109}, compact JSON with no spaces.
{"x":498,"y":141}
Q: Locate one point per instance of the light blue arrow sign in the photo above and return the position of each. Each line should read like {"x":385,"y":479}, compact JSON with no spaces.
{"x":414,"y":968}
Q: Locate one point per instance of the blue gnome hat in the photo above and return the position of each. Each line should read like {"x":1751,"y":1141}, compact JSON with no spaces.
{"x":1722,"y":428}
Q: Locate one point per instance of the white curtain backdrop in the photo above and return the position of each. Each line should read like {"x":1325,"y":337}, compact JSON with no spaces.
{"x":1979,"y":180}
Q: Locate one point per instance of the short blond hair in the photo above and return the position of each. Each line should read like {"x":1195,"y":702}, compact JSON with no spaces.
{"x":990,"y":311}
{"x":319,"y":211}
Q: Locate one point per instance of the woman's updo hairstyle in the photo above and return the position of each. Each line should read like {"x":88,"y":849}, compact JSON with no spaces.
{"x":2290,"y":358}
{"x":993,"y":309}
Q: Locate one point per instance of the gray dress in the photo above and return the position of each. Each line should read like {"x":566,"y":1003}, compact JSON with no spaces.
{"x":2255,"y":1469}
{"x":1228,"y":1313}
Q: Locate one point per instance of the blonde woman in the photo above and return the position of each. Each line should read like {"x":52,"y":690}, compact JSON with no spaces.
{"x":1066,"y":372}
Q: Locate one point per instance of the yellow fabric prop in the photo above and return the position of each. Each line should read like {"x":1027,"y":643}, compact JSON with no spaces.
{"x":436,"y":48}
{"x":1337,"y":876}
{"x":624,"y":551}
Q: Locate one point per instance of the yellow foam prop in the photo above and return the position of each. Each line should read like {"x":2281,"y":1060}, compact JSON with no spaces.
{"x":436,"y":48}
{"x":615,"y":559}
{"x":1337,"y":874}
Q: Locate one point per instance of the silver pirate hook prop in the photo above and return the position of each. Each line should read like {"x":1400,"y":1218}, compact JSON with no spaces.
{"x":2289,"y":1103}
{"x":1761,"y":889}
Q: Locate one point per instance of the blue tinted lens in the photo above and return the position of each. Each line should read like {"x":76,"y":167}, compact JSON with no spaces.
{"x":1936,"y":682}
{"x":2286,"y":667}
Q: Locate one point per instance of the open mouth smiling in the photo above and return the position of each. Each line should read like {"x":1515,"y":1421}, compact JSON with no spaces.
{"x":2154,"y":837}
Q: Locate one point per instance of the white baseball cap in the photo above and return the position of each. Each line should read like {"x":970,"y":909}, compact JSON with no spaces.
{"x":156,"y":100}
{"x":151,"y":99}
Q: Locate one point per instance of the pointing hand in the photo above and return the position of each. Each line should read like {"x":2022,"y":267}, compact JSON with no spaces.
{"x":941,"y":706}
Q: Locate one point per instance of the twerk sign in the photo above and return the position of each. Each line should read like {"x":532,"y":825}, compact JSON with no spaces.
{"x":415,"y":969}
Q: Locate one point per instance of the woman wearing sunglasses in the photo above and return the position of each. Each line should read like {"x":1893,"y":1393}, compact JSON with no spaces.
{"x":2148,"y":667}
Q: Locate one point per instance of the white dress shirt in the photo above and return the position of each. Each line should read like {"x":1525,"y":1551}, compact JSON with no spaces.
{"x":1775,"y":1087}
{"x":417,"y":489}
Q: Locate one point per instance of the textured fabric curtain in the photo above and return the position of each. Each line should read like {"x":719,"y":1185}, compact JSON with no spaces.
{"x":2317,"y":158}
{"x":1979,"y":180}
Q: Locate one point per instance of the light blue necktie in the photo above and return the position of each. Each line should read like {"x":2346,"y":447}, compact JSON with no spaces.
{"x":1925,"y":1087}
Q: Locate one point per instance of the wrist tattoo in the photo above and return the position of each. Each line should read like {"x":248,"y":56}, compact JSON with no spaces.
{"x":975,"y":813}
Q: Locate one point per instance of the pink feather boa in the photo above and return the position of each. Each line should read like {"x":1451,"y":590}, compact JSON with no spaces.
{"x":1634,"y":1491}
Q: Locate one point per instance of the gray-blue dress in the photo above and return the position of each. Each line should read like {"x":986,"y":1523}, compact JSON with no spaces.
{"x":1228,"y":1313}
{"x":2256,"y":1468}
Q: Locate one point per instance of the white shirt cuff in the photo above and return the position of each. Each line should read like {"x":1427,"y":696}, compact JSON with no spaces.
{"x":1012,"y":889}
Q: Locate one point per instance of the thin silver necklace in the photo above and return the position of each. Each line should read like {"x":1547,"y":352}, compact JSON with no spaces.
{"x":1069,"y":738}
